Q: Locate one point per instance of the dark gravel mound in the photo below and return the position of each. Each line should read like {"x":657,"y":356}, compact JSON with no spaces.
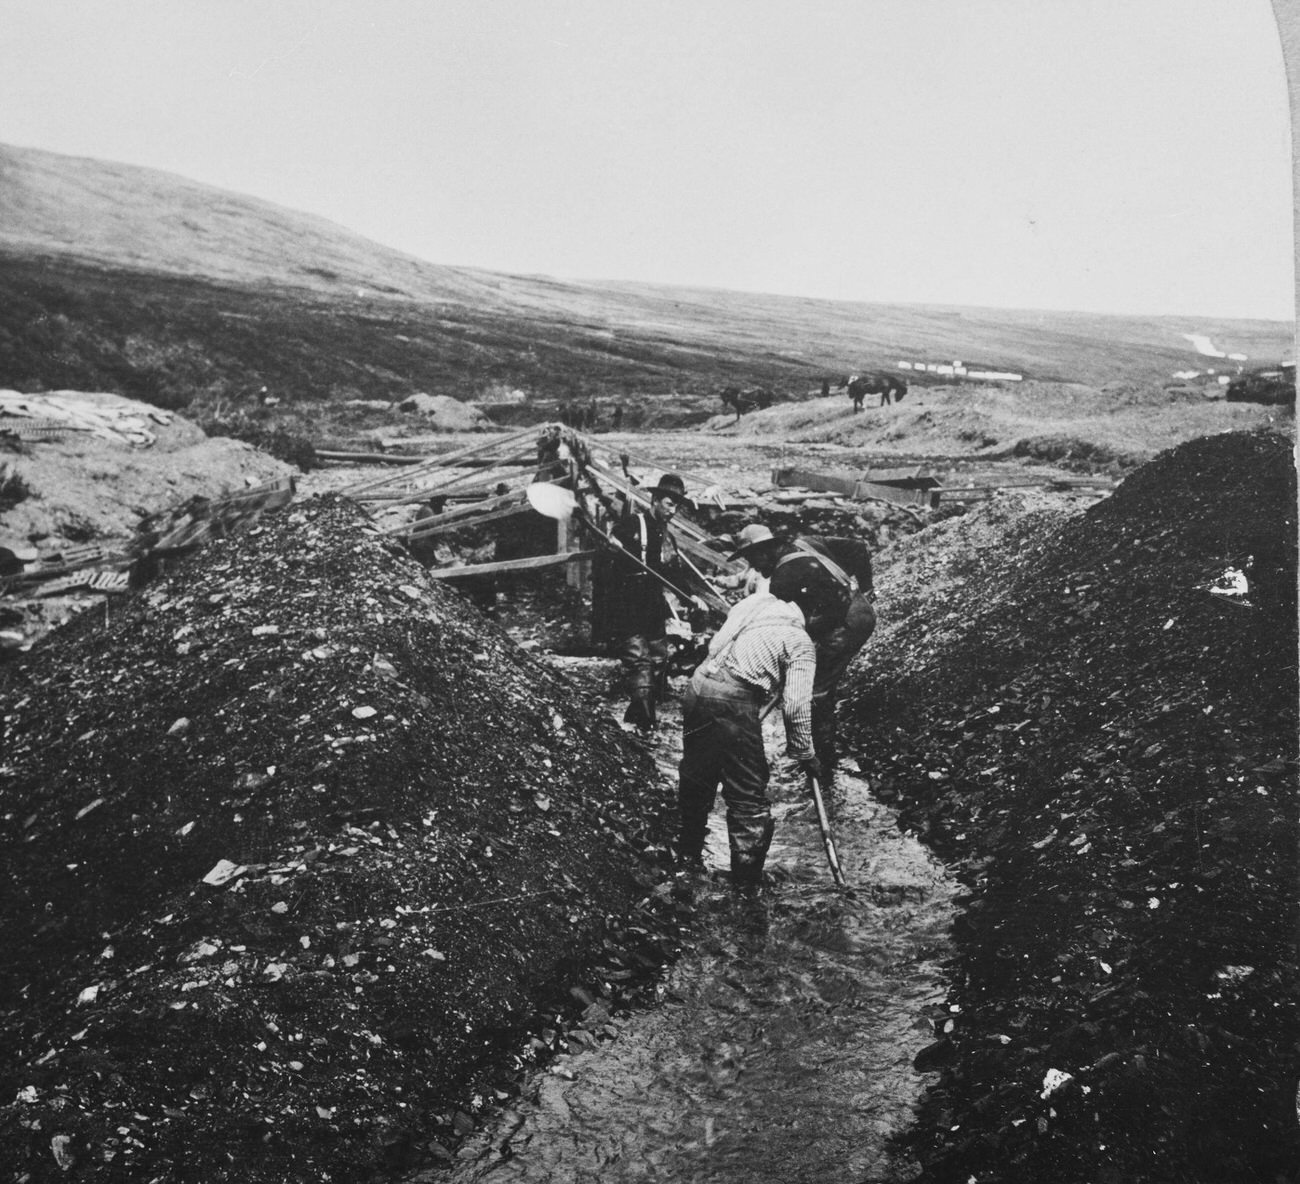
{"x":438,"y":839}
{"x":1110,"y":750}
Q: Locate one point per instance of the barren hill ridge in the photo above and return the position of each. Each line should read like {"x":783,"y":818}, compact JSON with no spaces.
{"x":123,"y":218}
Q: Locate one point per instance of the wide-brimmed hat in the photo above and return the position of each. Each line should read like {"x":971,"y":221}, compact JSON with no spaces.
{"x":671,"y":485}
{"x":752,"y":536}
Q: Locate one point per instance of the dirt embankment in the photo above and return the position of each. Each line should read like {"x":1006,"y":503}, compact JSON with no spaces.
{"x":80,"y":485}
{"x":299,"y":849}
{"x":1109,"y":749}
{"x":1054,"y":699}
{"x":1099,"y":429}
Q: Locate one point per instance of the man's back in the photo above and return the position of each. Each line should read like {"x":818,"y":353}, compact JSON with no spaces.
{"x":826,"y":590}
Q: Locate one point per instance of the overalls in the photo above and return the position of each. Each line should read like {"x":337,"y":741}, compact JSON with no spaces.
{"x":722,"y":745}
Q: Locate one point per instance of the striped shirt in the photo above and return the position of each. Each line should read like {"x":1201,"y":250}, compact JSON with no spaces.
{"x":763,"y":642}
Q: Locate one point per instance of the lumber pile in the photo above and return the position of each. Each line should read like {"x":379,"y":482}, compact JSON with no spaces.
{"x":55,"y":414}
{"x":489,"y":480}
{"x":105,"y":568}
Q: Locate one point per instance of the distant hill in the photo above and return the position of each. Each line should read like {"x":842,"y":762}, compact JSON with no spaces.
{"x":140,"y":281}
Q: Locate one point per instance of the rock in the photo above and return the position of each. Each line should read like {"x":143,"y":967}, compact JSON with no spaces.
{"x":448,"y":414}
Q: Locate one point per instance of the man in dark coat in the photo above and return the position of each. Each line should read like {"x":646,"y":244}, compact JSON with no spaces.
{"x":637,"y":613}
{"x":830,"y":578}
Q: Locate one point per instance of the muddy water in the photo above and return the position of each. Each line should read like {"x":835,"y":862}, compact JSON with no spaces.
{"x":781,"y":1047}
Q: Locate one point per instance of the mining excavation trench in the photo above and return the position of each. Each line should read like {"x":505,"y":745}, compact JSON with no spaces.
{"x":782,"y":1044}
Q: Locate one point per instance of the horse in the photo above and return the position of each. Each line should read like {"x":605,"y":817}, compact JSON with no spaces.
{"x":887,"y":386}
{"x":741,"y":401}
{"x":738,"y":400}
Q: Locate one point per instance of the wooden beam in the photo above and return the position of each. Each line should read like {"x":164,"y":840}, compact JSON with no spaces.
{"x":500,"y":462}
{"x":706,"y":554}
{"x":438,"y":525}
{"x":530,"y":564}
{"x":410,"y":497}
{"x":786,"y":478}
{"x":456,"y":516}
{"x":370,"y":458}
{"x":445,"y":459}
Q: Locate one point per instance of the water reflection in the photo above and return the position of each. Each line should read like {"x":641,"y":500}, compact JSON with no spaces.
{"x":783,"y":1046}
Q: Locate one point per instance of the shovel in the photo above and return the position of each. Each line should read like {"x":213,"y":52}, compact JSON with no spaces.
{"x":554,"y":501}
{"x":824,"y":822}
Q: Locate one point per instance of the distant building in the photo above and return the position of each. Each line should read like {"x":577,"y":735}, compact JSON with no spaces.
{"x":958,"y":369}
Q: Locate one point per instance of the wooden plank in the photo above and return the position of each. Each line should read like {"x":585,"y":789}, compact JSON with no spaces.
{"x":499,"y":462}
{"x":1030,"y":483}
{"x":413,"y":496}
{"x":37,"y":429}
{"x":369,"y":458}
{"x":885,"y":476}
{"x":422,"y":458}
{"x":446,"y":459}
{"x":707,"y":554}
{"x":711,"y":596}
{"x":816,"y":482}
{"x":430,"y":526}
{"x":863,"y":490}
{"x":455,"y":516}
{"x":530,"y":564}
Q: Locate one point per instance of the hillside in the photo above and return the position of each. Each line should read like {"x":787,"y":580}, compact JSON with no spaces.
{"x":118,"y":277}
{"x":1081,"y":426}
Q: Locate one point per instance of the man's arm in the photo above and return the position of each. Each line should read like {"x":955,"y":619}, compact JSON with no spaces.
{"x":796,"y":698}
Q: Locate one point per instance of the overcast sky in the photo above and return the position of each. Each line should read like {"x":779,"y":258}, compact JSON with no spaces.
{"x":1127,"y":156}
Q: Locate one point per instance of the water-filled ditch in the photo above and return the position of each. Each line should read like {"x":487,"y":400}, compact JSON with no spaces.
{"x":782,"y":1045}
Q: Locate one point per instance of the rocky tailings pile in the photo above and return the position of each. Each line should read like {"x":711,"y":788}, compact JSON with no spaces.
{"x":1109,"y":748}
{"x":295,"y":842}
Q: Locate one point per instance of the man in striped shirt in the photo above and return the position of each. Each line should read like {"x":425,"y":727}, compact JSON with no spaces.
{"x":762,"y":650}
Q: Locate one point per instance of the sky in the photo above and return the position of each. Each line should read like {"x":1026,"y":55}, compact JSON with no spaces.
{"x":1121,"y":156}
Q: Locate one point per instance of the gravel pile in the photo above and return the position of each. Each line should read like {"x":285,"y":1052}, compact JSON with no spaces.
{"x":1109,"y":749}
{"x":294,"y":842}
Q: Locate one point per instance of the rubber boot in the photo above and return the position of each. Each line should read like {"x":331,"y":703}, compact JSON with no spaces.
{"x":688,"y":850}
{"x":641,"y":710}
{"x":747,"y":866}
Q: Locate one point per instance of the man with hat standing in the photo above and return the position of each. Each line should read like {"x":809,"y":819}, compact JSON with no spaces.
{"x":637,"y":611}
{"x":830,"y":578}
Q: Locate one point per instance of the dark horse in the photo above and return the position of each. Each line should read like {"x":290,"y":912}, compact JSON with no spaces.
{"x":742,"y":401}
{"x":887,"y":386}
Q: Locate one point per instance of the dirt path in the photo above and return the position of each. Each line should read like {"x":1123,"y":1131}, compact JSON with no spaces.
{"x":782,"y":1049}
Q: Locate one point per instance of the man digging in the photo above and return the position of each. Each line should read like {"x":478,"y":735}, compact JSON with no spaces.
{"x":761,"y":651}
{"x":832,"y":578}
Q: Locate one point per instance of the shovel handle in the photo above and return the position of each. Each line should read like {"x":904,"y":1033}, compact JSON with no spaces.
{"x":814,"y":787}
{"x":617,"y":548}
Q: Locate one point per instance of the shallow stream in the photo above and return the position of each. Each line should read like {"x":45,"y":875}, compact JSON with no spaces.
{"x":781,"y":1049}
